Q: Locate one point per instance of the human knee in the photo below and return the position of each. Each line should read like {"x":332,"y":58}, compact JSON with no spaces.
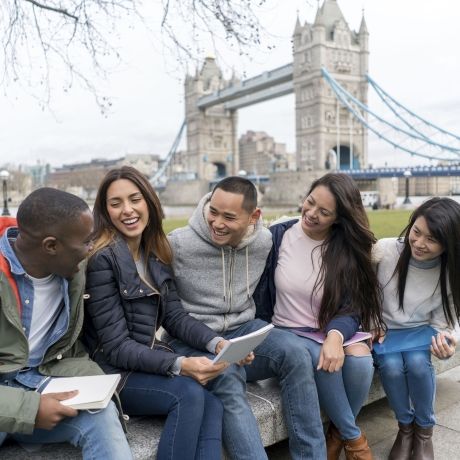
{"x":418,"y":364}
{"x":390,"y":365}
{"x":357,"y":349}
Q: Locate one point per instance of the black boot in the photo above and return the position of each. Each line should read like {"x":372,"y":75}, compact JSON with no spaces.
{"x":423,"y":443}
{"x":402,"y":447}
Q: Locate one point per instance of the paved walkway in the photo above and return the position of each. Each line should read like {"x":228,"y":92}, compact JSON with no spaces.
{"x":378,"y":422}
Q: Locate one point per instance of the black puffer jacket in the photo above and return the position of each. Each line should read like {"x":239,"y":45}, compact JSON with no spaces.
{"x":122,"y":314}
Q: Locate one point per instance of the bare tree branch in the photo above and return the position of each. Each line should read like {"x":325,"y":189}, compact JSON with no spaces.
{"x":50,"y":8}
{"x":52,"y":44}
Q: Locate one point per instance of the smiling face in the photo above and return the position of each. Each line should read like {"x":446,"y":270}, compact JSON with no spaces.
{"x":127,"y":210}
{"x":318,"y":213}
{"x":423,"y":245}
{"x":227,"y":219}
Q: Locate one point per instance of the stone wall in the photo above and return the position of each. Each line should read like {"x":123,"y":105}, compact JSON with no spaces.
{"x":184,"y":193}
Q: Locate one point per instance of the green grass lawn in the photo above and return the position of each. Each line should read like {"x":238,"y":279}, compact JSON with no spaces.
{"x":383,"y":223}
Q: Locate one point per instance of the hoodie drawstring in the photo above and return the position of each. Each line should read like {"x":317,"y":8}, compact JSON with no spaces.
{"x":247,"y":273}
{"x":223,"y":273}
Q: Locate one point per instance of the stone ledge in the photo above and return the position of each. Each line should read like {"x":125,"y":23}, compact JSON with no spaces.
{"x":144,"y":432}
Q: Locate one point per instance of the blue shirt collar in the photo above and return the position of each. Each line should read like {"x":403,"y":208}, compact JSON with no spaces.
{"x":5,"y":247}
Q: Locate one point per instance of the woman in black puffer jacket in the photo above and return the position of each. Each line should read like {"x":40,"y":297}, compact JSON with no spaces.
{"x":130,"y":294}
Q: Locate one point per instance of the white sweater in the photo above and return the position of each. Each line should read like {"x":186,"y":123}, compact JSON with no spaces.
{"x":422,"y":295}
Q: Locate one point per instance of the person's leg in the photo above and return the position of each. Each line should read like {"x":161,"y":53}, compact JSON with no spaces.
{"x":182,"y":399}
{"x":393,"y":375}
{"x":357,"y":373}
{"x":240,"y":429}
{"x":422,"y":386}
{"x":283,"y":355}
{"x":99,"y":435}
{"x":333,"y":396}
{"x":210,"y":440}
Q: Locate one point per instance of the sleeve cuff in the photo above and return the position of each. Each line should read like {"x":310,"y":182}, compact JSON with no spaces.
{"x":338,"y":332}
{"x":176,"y":367}
{"x":212,"y":344}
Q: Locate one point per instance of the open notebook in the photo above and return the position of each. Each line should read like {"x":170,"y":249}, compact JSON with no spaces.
{"x":94,"y":392}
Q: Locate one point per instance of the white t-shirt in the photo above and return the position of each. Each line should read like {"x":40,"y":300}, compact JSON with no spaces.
{"x":47,"y":301}
{"x":295,"y":277}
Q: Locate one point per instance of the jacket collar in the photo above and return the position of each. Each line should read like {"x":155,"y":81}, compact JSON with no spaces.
{"x":129,"y":279}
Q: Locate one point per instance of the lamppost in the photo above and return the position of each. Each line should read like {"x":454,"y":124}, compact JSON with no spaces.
{"x":407,"y":174}
{"x":4,"y":175}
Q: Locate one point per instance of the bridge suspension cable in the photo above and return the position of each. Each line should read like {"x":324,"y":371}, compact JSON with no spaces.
{"x":408,"y":137}
{"x":155,"y":179}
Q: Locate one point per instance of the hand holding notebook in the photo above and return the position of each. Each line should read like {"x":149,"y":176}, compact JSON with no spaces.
{"x":94,"y":392}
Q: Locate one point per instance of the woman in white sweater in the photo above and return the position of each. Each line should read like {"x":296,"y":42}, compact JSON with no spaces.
{"x":419,"y":275}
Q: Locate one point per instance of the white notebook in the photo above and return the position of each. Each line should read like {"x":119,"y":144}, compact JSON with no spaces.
{"x":240,"y":347}
{"x":94,"y":392}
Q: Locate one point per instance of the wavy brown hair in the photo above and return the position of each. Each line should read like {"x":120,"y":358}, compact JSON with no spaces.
{"x":154,"y":240}
{"x":442,"y":216}
{"x":349,"y":281}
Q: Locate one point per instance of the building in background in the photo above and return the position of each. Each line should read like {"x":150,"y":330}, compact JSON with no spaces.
{"x":261,"y":155}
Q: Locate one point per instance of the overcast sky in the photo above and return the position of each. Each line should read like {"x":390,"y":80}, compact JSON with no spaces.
{"x":413,"y":55}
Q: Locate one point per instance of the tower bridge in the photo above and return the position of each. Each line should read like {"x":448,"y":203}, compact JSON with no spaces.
{"x":329,"y":78}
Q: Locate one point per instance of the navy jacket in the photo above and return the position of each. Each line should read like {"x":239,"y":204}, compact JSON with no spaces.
{"x":265,"y":294}
{"x":122,"y":314}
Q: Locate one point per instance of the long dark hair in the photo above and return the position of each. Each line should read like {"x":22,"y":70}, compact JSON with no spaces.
{"x":154,"y":240}
{"x":350,"y":284}
{"x":442,"y":216}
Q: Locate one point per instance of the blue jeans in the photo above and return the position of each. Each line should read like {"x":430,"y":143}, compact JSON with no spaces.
{"x":280,"y":355}
{"x":193,"y":427}
{"x":410,"y":385}
{"x":342,"y":393}
{"x":99,"y":435}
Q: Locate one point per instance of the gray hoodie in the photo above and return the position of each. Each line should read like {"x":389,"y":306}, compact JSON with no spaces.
{"x":216,"y":283}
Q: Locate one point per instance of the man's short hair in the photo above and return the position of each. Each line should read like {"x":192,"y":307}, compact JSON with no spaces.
{"x":241,"y":186}
{"x":46,"y":208}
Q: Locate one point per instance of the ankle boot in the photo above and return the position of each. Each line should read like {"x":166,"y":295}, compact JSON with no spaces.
{"x":357,"y":449}
{"x":334,"y":443}
{"x":402,"y":447}
{"x":423,"y":443}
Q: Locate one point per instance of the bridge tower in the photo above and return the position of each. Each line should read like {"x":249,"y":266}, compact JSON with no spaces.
{"x":327,"y":137}
{"x":212,"y":146}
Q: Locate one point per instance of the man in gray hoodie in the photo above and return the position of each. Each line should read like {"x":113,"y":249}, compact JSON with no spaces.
{"x":218,"y":260}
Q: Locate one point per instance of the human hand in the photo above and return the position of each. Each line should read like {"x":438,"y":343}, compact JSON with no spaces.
{"x":248,"y":359}
{"x":332,"y":355}
{"x":201,"y":368}
{"x":221,"y":344}
{"x":51,"y":411}
{"x":443,"y":345}
{"x":378,"y":335}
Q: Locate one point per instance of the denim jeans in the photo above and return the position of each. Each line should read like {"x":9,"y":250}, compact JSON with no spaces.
{"x":193,"y":427}
{"x":280,"y":355}
{"x":342,"y":393}
{"x":99,"y":435}
{"x":409,"y":382}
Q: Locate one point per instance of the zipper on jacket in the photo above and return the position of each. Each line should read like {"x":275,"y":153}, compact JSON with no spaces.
{"x":230,"y":278}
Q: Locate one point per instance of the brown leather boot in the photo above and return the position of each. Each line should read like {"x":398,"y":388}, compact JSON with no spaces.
{"x":334,"y":443}
{"x":402,"y":447}
{"x":423,"y":444}
{"x":357,"y":449}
